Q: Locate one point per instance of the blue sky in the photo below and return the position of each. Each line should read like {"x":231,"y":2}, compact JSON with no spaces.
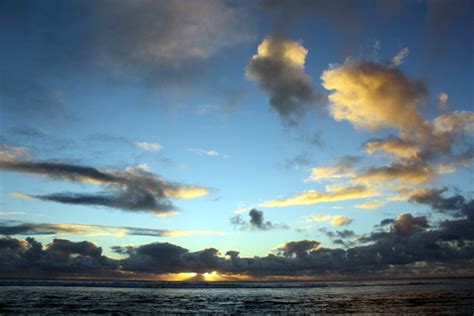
{"x":208,"y":96}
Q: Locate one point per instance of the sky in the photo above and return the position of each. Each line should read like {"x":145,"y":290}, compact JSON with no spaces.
{"x":236,"y":140}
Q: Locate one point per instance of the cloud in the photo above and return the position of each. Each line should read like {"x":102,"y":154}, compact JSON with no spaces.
{"x":209,"y":153}
{"x":403,"y":246}
{"x":185,"y":191}
{"x":407,"y":224}
{"x":320,"y":218}
{"x":131,"y":199}
{"x":60,"y":257}
{"x":335,"y":220}
{"x":10,"y":228}
{"x":299,"y":249}
{"x":330,"y":172}
{"x":340,"y":220}
{"x":395,"y":146}
{"x":256,"y":222}
{"x":332,"y":194}
{"x":398,"y":174}
{"x":11,"y":213}
{"x":443,"y":102}
{"x":374,"y":96}
{"x":341,"y":237}
{"x":372,"y":204}
{"x":11,"y":153}
{"x":297,"y":162}
{"x":400,"y":57}
{"x":133,"y":189}
{"x":343,"y":169}
{"x":163,"y":46}
{"x":370,"y":95}
{"x":146,"y":146}
{"x":278,"y":69}
{"x":457,"y":122}
{"x":455,"y":205}
{"x":153,"y":38}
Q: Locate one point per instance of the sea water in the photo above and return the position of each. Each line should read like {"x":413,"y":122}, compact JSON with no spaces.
{"x":433,"y":296}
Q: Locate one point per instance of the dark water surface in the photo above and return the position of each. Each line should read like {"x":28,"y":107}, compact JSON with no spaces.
{"x":434,"y":296}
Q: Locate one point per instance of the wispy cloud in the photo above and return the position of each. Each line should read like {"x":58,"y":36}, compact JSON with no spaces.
{"x":335,"y":220}
{"x":208,"y":152}
{"x":332,"y":194}
{"x":400,"y":57}
{"x":11,"y":213}
{"x":146,"y":146}
{"x":369,"y":205}
{"x":10,"y":228}
{"x":132,"y":189}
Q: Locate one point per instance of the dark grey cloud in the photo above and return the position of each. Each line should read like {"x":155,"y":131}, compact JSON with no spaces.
{"x":344,"y":238}
{"x":11,"y":228}
{"x":397,"y":246}
{"x":386,"y":221}
{"x":132,"y":189}
{"x":256,"y":222}
{"x":283,"y":78}
{"x":163,"y":43}
{"x":60,"y":170}
{"x":299,"y":249}
{"x":60,"y":258}
{"x":10,"y":244}
{"x":404,"y":225}
{"x":455,"y":204}
{"x":132,"y":199}
{"x":66,"y":248}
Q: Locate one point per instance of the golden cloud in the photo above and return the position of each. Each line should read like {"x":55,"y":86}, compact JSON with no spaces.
{"x":330,"y":172}
{"x":320,"y":218}
{"x":400,"y":174}
{"x":340,"y":220}
{"x":369,"y":205}
{"x":333,"y":193}
{"x":372,"y":96}
{"x":185,"y":192}
{"x":335,"y":220}
{"x":290,"y":51}
{"x":395,"y":146}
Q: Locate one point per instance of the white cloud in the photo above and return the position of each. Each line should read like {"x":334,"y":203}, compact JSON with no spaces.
{"x":209,"y":153}
{"x":152,"y":147}
{"x":400,"y":57}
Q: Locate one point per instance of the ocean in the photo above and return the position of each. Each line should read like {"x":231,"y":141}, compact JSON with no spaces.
{"x":427,"y":296}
